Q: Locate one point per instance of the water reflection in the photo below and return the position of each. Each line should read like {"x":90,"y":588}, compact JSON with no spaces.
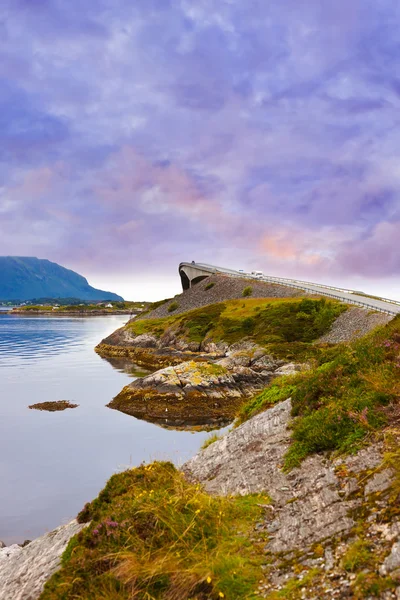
{"x":123,"y":365}
{"x":51,"y":463}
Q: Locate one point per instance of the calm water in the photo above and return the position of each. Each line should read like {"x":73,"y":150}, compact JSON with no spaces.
{"x":52,"y":463}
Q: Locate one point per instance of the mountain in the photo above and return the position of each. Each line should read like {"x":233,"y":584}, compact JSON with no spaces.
{"x":27,"y":277}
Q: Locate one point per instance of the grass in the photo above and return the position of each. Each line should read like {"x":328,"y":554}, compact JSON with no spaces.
{"x":209,"y":285}
{"x":285,"y":327}
{"x":279,"y":390}
{"x":358,"y":556}
{"x":210,"y":440}
{"x":350,"y":394}
{"x":173,"y":306}
{"x":153,"y":535}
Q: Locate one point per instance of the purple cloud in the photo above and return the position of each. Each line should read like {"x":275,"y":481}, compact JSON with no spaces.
{"x":155,"y":131}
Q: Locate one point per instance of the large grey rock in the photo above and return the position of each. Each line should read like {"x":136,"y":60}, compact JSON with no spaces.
{"x":392,"y":561}
{"x":24,"y":571}
{"x":308,"y":504}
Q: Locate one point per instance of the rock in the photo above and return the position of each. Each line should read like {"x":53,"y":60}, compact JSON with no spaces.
{"x":380,"y":482}
{"x":53,"y":406}
{"x":392,"y":561}
{"x":290,"y":369}
{"x":2,"y":544}
{"x":308,"y":501}
{"x":143,"y":341}
{"x":24,"y":571}
{"x":188,"y":390}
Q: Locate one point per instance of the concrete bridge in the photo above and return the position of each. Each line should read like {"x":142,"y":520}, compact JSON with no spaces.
{"x":193,"y":272}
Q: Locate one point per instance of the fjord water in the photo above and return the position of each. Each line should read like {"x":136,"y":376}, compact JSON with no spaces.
{"x":52,"y":463}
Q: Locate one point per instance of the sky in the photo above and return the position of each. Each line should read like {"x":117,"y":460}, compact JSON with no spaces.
{"x":251,"y":135}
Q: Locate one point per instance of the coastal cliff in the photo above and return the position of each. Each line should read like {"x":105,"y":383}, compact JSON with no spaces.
{"x":300,"y":500}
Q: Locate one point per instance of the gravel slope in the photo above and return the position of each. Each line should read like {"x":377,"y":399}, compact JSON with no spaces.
{"x":225,"y":288}
{"x":353,"y":324}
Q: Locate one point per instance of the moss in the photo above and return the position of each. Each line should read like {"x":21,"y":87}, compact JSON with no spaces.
{"x":371,"y":584}
{"x":153,"y":535}
{"x":292,"y":589}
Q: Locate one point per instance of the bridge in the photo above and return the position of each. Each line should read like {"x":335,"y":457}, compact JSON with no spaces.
{"x":193,"y":272}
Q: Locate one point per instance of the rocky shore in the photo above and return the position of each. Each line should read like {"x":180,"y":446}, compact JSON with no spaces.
{"x":199,"y":393}
{"x":25,"y":570}
{"x":330,"y":524}
{"x":319,"y":512}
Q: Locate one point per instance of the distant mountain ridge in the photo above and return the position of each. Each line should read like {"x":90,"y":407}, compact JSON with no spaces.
{"x":27,"y":277}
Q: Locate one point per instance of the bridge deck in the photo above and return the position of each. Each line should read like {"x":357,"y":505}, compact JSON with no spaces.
{"x":385,"y":305}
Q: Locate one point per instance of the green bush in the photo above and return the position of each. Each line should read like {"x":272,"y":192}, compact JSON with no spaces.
{"x":173,"y":306}
{"x":209,"y":285}
{"x":247,"y":291}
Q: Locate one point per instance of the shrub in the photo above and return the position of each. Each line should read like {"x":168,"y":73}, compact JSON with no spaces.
{"x":247,"y":291}
{"x":209,"y":285}
{"x":173,"y":306}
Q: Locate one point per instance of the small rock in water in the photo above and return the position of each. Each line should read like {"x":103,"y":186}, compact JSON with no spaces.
{"x":53,"y":406}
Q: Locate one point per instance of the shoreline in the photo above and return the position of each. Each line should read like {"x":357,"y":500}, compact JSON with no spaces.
{"x":70,"y":313}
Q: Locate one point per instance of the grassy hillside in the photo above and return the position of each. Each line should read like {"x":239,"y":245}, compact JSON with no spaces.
{"x":287,"y":327}
{"x":352,"y":393}
{"x":152,"y":535}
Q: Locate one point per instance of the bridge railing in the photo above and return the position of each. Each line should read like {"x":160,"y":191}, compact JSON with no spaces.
{"x":303,"y":285}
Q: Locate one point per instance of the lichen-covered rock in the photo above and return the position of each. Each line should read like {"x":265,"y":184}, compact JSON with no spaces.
{"x":24,"y":571}
{"x":191,"y":393}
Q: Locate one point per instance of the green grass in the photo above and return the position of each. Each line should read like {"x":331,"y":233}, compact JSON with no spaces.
{"x":279,"y":390}
{"x":285,"y":327}
{"x":155,"y":536}
{"x":349,"y":395}
{"x":209,"y":285}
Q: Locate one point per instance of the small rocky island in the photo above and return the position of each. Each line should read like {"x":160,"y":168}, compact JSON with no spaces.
{"x":300,"y":500}
{"x":53,"y":405}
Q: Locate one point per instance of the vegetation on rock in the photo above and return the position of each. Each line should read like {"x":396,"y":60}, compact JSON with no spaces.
{"x":247,"y":291}
{"x":155,"y":536}
{"x":53,"y":406}
{"x":173,"y":306}
{"x":285,"y":327}
{"x":352,"y":392}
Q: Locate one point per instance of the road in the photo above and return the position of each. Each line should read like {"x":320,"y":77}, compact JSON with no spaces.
{"x":385,"y":305}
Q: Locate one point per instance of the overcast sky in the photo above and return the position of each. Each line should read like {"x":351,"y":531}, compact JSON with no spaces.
{"x":250,"y":134}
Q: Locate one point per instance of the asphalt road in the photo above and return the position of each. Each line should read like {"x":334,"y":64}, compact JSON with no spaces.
{"x":349,"y":296}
